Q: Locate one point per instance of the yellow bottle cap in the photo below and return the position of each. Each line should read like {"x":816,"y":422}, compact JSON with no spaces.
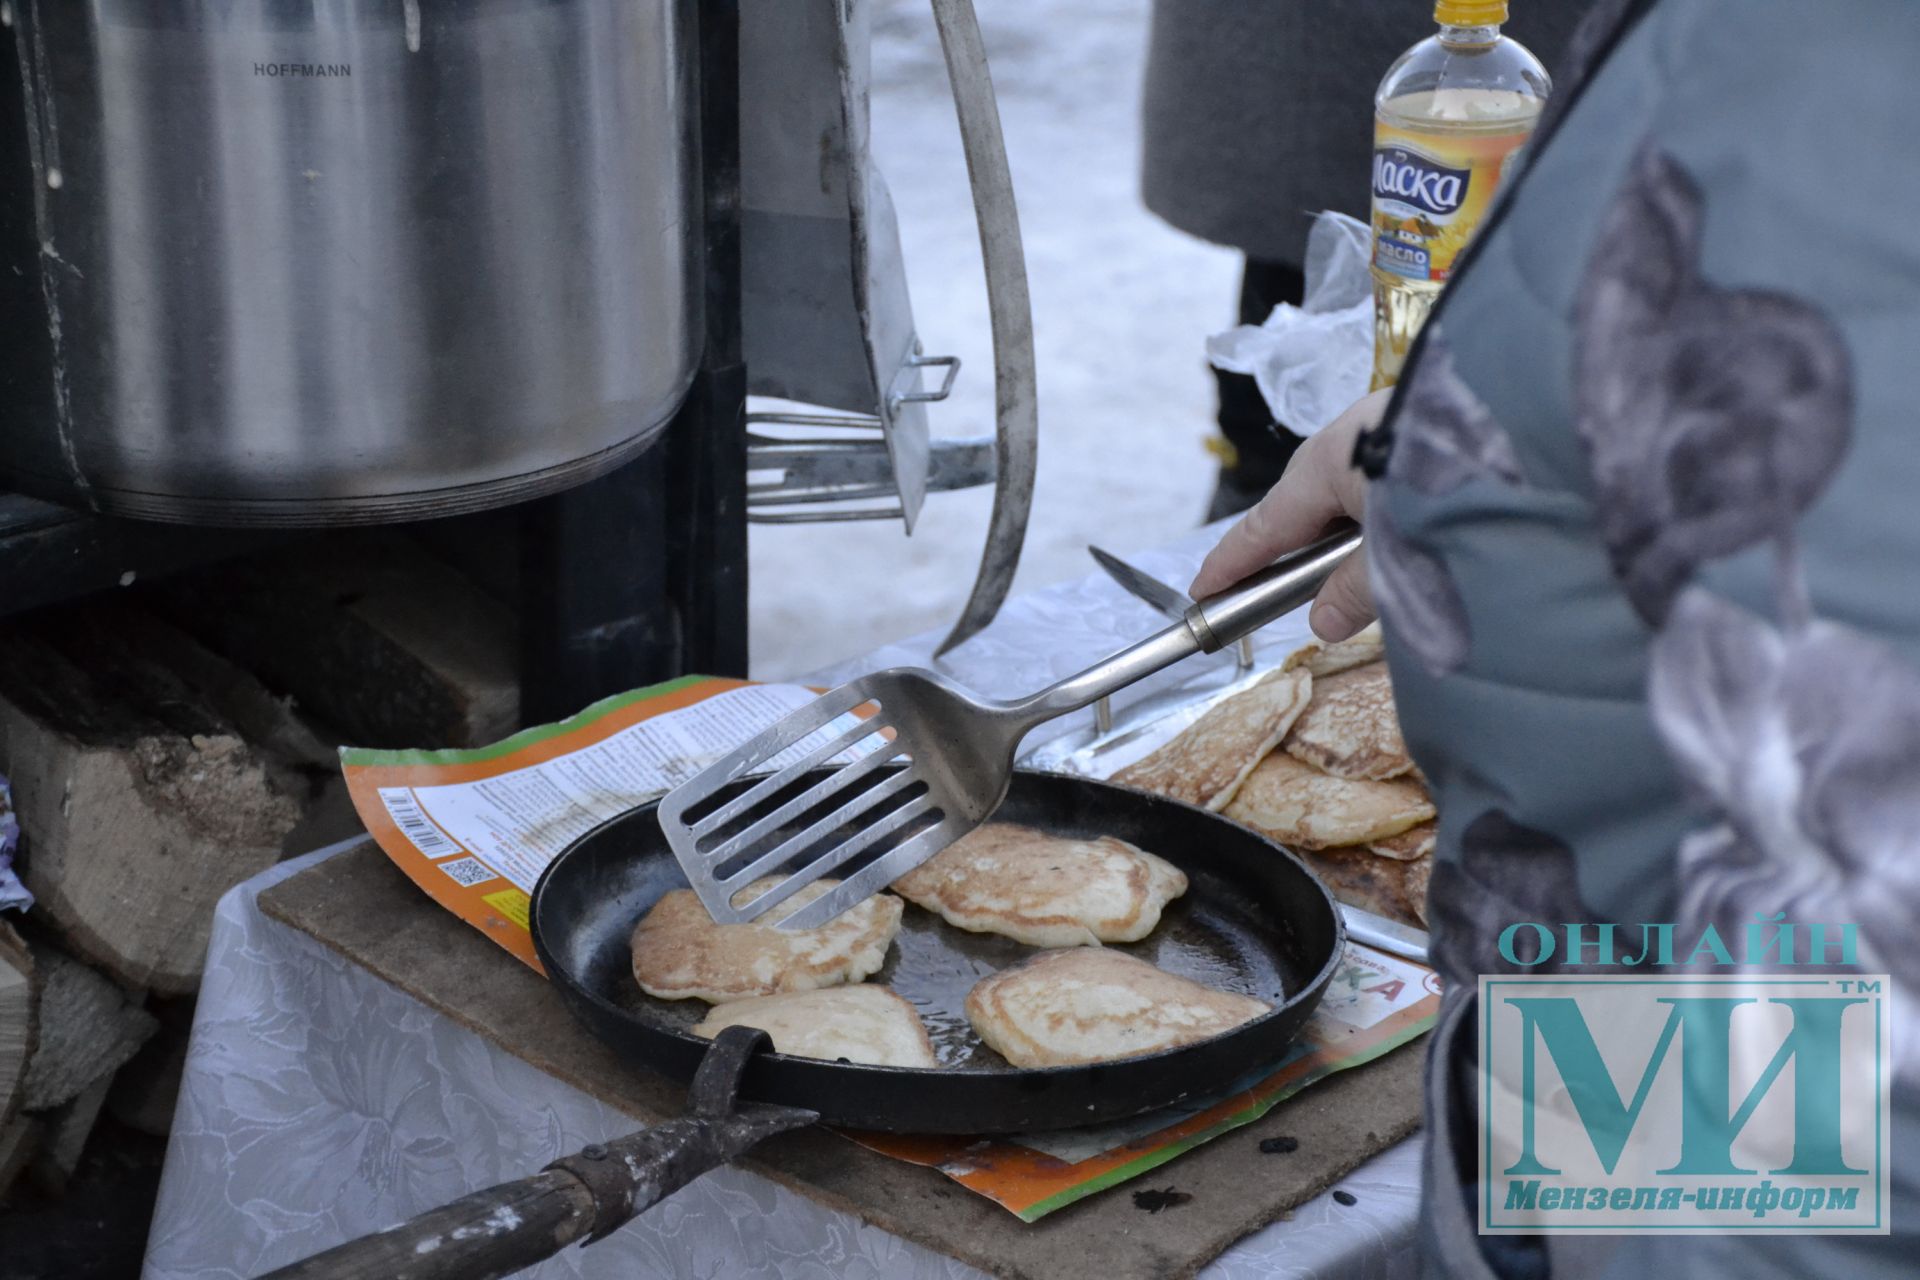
{"x":1470,"y":13}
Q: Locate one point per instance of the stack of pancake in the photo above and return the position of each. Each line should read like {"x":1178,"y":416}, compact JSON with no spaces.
{"x":1312,"y":757}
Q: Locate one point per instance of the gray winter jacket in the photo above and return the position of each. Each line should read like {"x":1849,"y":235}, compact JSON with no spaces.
{"x":1259,"y":113}
{"x":1645,"y":551}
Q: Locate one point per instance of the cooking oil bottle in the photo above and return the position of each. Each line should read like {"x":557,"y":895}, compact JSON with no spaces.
{"x":1448,"y":119}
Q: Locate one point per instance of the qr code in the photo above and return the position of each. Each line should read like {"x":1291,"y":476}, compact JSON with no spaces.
{"x":468,"y":871}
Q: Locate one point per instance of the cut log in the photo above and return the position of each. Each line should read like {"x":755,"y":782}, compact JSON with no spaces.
{"x":19,"y":1021}
{"x":63,"y":1138}
{"x":384,"y":643}
{"x":89,"y":1029}
{"x":268,"y":722}
{"x":140,"y":801}
{"x":303,"y":759}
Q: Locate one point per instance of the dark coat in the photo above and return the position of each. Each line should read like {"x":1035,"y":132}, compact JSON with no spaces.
{"x":1259,"y":113}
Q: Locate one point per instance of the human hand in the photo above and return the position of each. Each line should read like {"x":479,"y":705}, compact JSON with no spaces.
{"x":1320,"y":486}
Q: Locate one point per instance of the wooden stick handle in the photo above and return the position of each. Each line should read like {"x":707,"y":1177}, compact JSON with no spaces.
{"x":490,"y":1233}
{"x":585,"y":1196}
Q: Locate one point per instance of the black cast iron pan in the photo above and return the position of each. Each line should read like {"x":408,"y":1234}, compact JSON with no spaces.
{"x":1254,"y":920}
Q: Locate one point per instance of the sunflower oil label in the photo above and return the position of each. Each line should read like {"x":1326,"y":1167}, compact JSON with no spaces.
{"x":1431,"y":189}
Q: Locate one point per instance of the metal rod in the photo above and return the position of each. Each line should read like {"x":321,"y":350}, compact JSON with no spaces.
{"x":825,"y":517}
{"x":775,"y":495}
{"x":1010,"y":308}
{"x":815,"y":420}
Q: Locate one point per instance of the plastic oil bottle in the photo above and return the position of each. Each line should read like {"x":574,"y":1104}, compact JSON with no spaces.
{"x":1448,"y":118}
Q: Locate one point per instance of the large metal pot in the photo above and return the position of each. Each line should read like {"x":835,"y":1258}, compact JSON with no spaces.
{"x":333,"y":261}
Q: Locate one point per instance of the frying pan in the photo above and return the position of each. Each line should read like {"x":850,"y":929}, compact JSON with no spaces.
{"x":1254,"y":920}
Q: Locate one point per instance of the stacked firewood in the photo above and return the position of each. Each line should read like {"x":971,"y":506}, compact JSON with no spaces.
{"x":170,"y":742}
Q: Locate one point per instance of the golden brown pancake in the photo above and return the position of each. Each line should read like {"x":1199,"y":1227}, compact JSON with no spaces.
{"x":1413,"y":889}
{"x":1350,"y":729}
{"x":679,"y":952}
{"x":1410,"y":845}
{"x":1096,"y":1005}
{"x":1207,"y":763}
{"x":1298,"y":805}
{"x":1365,"y":880}
{"x":1322,"y":659}
{"x":1045,"y":890}
{"x":861,"y":1023}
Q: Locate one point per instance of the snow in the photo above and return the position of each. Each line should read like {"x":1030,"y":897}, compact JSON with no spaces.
{"x":1123,"y":305}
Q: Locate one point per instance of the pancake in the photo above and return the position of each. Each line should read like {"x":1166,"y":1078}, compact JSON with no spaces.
{"x":1207,"y":762}
{"x":1096,"y":1005}
{"x":1044,"y":890}
{"x":680,"y":953}
{"x":861,"y":1023}
{"x":1413,"y":889}
{"x":1350,"y":729}
{"x":1362,"y":879}
{"x":1299,"y":806}
{"x":1323,"y":659}
{"x":1410,"y":845}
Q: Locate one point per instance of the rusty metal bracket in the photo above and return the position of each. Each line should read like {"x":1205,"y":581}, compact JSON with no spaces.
{"x":630,"y":1174}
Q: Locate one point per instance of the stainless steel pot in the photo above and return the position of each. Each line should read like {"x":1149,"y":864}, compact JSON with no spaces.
{"x":333,"y":261}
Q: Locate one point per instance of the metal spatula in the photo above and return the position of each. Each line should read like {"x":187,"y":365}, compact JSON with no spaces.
{"x":954,"y":750}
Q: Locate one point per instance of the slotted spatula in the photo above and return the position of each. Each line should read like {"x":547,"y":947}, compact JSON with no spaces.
{"x":955,"y":752}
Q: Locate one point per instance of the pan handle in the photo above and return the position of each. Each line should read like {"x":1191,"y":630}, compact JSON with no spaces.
{"x":586,"y":1196}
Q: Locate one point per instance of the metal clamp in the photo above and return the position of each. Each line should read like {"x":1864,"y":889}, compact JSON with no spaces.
{"x":950,"y":363}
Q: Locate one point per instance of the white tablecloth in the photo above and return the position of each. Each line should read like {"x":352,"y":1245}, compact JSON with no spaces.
{"x":320,"y":1104}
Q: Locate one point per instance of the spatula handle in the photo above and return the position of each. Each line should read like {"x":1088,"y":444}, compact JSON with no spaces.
{"x":1278,"y":589}
{"x":1210,"y":625}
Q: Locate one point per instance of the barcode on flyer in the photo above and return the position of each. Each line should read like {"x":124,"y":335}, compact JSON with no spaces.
{"x":413,"y":824}
{"x":468,"y":871}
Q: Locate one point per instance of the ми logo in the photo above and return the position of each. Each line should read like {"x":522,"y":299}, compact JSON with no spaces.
{"x":1690,"y":1103}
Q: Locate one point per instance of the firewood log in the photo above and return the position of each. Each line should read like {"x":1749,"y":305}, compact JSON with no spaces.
{"x":139,"y":801}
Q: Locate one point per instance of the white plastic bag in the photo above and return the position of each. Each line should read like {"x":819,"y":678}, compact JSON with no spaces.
{"x":1312,"y":362}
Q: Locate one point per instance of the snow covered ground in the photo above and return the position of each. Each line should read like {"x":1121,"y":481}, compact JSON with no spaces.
{"x":1122,"y":306}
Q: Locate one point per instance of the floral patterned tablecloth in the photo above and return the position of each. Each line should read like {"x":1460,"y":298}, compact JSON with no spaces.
{"x":320,"y":1104}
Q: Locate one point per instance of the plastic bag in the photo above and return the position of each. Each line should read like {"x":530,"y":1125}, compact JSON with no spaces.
{"x":1312,"y":362}
{"x":13,"y":894}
